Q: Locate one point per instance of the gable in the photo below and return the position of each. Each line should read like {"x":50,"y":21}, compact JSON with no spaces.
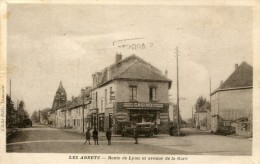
{"x":140,"y":70}
{"x":241,"y":77}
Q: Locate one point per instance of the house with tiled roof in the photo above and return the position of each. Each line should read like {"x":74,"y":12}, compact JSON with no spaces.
{"x":233,"y":99}
{"x":129,"y":91}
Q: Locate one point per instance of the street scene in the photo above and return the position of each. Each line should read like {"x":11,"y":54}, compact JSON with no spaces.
{"x":84,"y":81}
{"x":42,"y":139}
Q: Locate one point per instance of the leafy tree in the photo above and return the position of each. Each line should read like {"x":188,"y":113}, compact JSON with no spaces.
{"x":44,"y":113}
{"x":21,"y":105}
{"x":9,"y":105}
{"x":35,"y":117}
{"x":200,"y":102}
{"x":9,"y":109}
{"x":22,"y":113}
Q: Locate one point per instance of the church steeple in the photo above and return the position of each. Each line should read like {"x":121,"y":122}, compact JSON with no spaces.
{"x":60,"y":86}
{"x":60,"y":97}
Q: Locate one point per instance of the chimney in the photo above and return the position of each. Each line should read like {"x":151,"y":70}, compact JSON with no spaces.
{"x":118,"y":57}
{"x":72,"y":98}
{"x":236,"y":66}
{"x":221,"y":83}
{"x":166,"y":73}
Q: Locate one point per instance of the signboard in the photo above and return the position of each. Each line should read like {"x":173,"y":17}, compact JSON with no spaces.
{"x":142,"y":105}
{"x":121,"y":117}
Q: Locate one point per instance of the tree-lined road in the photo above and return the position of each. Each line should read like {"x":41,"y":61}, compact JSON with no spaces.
{"x":41,"y":139}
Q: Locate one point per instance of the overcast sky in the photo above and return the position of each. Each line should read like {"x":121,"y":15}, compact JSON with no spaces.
{"x":50,"y":43}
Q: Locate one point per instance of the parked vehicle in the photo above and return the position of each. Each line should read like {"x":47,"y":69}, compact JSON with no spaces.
{"x":25,"y":123}
{"x":147,"y":129}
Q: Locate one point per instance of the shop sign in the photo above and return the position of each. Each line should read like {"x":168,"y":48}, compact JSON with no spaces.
{"x":142,"y":105}
{"x":121,"y":117}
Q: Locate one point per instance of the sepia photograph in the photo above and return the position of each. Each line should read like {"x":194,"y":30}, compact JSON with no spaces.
{"x":129,"y":79}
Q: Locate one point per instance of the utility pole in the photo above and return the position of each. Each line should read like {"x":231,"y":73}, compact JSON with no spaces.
{"x":178,"y":110}
{"x":192,"y":116}
{"x":10,"y":89}
{"x":83,"y":105}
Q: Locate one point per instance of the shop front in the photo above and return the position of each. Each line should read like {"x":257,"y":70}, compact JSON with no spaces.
{"x":136,"y":112}
{"x":101,"y":117}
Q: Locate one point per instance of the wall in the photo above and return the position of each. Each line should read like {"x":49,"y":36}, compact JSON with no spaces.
{"x":230,"y":105}
{"x":122,"y":91}
{"x":235,"y":104}
{"x":107,"y":103}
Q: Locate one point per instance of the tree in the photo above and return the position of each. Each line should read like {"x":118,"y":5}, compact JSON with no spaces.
{"x":22,"y":113}
{"x":35,"y":117}
{"x":21,"y":105}
{"x":200,"y":102}
{"x":9,"y":110}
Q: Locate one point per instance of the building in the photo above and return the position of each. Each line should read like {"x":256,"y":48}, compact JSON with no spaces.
{"x":129,"y":91}
{"x":51,"y":117}
{"x":233,"y":99}
{"x":60,"y":102}
{"x":202,"y":117}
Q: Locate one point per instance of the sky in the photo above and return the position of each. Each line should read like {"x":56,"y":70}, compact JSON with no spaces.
{"x":54,"y":42}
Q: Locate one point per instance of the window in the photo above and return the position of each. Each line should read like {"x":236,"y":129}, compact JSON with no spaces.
{"x":105,"y":96}
{"x":111,"y":93}
{"x":101,"y":106}
{"x":133,"y":93}
{"x":152,"y":93}
{"x":96,"y":100}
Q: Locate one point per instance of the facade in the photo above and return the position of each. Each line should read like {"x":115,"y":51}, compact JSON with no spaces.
{"x":202,"y":117}
{"x":129,"y":91}
{"x":74,"y":114}
{"x":233,"y":99}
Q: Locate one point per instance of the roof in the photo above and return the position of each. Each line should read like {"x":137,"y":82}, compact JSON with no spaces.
{"x":64,"y":106}
{"x":75,"y":103}
{"x":133,"y":67}
{"x":242,"y":77}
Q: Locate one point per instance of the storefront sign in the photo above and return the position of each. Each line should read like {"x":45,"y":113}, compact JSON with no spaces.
{"x":142,"y":105}
{"x":121,"y":117}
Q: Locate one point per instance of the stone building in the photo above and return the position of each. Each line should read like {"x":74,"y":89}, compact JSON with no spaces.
{"x":233,"y":99}
{"x":129,"y":91}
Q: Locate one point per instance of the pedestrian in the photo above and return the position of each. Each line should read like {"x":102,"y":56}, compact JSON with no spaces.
{"x":95,"y":136}
{"x":136,"y":135}
{"x":108,"y":134}
{"x":87,"y":137}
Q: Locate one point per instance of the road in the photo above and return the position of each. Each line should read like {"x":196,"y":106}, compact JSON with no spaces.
{"x":41,"y":139}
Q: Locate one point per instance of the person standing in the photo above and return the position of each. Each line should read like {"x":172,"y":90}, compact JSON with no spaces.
{"x":95,"y":136}
{"x":136,"y":135}
{"x":108,"y":134}
{"x":87,"y":137}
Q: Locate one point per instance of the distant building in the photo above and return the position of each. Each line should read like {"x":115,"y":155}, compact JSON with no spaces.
{"x":60,"y":97}
{"x":129,"y":91}
{"x":73,"y":113}
{"x":233,"y":99}
{"x":202,"y":117}
{"x":59,"y":103}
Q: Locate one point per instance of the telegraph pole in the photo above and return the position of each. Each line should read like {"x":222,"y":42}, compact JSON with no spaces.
{"x":83,"y":106}
{"x":178,"y":110}
{"x":10,"y":89}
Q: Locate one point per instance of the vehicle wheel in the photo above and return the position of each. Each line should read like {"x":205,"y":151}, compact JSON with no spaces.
{"x":151,"y":134}
{"x":125,"y":135}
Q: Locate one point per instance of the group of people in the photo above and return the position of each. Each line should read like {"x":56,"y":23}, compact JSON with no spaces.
{"x":95,"y":136}
{"x":108,"y":135}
